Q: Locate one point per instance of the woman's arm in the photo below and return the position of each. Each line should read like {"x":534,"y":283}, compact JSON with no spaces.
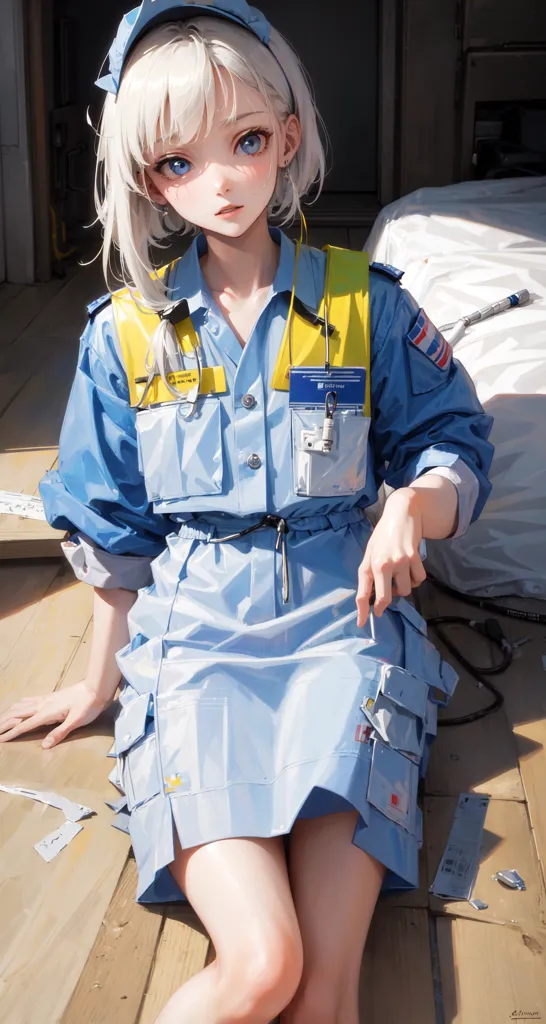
{"x":392,"y":563}
{"x":110,"y":634}
{"x":433,"y":500}
{"x":79,"y":705}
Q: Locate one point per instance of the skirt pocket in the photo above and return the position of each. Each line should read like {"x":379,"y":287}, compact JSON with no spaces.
{"x":392,"y":788}
{"x":192,"y":738}
{"x":136,"y":750}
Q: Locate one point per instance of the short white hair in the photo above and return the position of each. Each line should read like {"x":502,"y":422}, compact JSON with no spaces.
{"x":169,"y":87}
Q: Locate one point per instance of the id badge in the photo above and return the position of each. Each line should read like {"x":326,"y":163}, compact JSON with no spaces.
{"x":309,"y":386}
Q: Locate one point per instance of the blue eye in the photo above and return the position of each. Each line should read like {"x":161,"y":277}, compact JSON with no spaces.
{"x":251,"y":144}
{"x":174,"y":167}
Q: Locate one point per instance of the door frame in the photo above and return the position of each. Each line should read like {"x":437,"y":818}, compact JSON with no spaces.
{"x":16,"y":197}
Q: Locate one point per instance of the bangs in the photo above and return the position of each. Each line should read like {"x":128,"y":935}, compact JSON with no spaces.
{"x":169,"y":94}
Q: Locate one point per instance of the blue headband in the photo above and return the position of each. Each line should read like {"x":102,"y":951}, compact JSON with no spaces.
{"x":155,"y":12}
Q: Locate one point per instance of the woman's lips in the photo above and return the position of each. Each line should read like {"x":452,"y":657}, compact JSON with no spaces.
{"x":227,"y":210}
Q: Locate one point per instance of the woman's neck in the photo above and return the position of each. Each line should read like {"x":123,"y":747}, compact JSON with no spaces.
{"x":244,"y":266}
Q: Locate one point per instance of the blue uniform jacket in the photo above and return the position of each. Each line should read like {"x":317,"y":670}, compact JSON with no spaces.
{"x":120,"y":490}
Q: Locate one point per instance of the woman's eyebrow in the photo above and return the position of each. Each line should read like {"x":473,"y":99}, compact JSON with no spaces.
{"x":240,"y":117}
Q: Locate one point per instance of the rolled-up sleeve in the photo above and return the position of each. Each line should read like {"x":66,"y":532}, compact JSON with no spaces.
{"x":426,"y":416}
{"x":98,"y":491}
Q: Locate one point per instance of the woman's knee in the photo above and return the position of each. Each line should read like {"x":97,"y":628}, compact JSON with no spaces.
{"x":322,"y":1000}
{"x":258,"y":981}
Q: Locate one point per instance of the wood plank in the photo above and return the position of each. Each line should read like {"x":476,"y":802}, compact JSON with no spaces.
{"x":51,"y":913}
{"x":65,"y":315}
{"x":29,"y":430}
{"x":182,"y":952}
{"x":524,"y":689}
{"x":116,"y":973}
{"x":507,"y":843}
{"x":8,"y":292}
{"x":23,"y":587}
{"x":24,"y":307}
{"x":29,"y":538}
{"x":491,"y":974}
{"x":42,"y":655}
{"x":398,"y":950}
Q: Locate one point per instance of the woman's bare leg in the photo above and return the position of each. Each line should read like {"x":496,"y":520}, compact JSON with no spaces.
{"x":240,"y":890}
{"x":335,"y":887}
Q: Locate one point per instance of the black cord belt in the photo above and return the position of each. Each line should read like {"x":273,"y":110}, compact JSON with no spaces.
{"x":281,"y":526}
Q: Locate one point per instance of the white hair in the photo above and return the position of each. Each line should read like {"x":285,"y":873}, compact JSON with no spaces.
{"x":169,"y":87}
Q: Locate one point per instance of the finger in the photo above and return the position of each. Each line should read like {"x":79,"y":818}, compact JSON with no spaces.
{"x":383,"y":589}
{"x":7,"y":726}
{"x":20,"y":727}
{"x":402,"y":580}
{"x":36,"y":721}
{"x":363,"y":595}
{"x":418,"y":571}
{"x":17,"y":711}
{"x":56,"y":736}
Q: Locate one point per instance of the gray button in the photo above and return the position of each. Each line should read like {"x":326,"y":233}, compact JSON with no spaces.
{"x":248,"y":401}
{"x":254,"y":461}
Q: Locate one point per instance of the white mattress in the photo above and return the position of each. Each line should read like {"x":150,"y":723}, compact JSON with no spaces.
{"x":463,"y":247}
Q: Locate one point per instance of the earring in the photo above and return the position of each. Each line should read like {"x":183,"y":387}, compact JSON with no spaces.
{"x":286,"y":172}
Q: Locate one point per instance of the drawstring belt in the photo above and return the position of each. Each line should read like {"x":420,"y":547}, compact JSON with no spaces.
{"x":281,"y":526}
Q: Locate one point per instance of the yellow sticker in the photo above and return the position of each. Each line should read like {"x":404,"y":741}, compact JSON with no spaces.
{"x":172,"y":783}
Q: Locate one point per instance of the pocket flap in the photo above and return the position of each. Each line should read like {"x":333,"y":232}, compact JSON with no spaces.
{"x":392,"y":788}
{"x":404,"y":689}
{"x":396,"y":726}
{"x":131,"y":722}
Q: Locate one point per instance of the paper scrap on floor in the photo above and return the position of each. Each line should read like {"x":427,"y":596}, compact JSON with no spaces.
{"x":459,"y":865}
{"x":52,"y":844}
{"x":24,"y":505}
{"x":71,"y":810}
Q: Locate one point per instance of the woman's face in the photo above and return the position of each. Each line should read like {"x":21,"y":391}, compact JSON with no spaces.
{"x":223,"y":180}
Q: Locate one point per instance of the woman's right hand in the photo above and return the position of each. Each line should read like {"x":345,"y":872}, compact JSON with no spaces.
{"x":73,"y":707}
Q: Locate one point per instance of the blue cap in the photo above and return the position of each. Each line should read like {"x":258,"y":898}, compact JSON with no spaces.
{"x":155,"y":12}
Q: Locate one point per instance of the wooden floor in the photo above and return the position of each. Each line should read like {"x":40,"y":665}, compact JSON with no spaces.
{"x":74,"y":946}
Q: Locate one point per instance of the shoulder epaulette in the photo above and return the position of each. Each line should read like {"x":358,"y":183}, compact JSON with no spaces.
{"x":98,"y":304}
{"x":387,"y":270}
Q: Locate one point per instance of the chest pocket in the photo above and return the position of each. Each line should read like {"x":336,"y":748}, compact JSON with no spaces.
{"x":338,"y":472}
{"x":181,"y":457}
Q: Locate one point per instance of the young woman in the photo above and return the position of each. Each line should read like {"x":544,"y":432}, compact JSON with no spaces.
{"x":271,"y":734}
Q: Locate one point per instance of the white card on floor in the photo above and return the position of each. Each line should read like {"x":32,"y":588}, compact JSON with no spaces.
{"x":21,"y":505}
{"x":51,"y":845}
{"x":71,"y":810}
{"x":459,"y":865}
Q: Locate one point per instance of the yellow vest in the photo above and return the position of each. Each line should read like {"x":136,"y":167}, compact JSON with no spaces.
{"x":303,"y":343}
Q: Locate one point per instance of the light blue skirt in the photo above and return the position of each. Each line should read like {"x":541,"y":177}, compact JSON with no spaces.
{"x":241,"y":713}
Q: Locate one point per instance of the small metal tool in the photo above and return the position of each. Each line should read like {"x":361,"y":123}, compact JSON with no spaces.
{"x":510,"y":879}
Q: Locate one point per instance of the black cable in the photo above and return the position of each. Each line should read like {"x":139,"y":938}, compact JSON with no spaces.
{"x":490,"y":606}
{"x":492,"y":629}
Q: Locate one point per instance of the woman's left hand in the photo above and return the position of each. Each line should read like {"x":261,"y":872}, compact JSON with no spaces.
{"x":391,"y":564}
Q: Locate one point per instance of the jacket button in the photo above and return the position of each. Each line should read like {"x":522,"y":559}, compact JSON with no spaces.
{"x":248,"y":401}
{"x":254,"y":461}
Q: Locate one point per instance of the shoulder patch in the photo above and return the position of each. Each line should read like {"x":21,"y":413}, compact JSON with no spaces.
{"x":427,"y":338}
{"x":387,"y":271}
{"x":98,"y":304}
